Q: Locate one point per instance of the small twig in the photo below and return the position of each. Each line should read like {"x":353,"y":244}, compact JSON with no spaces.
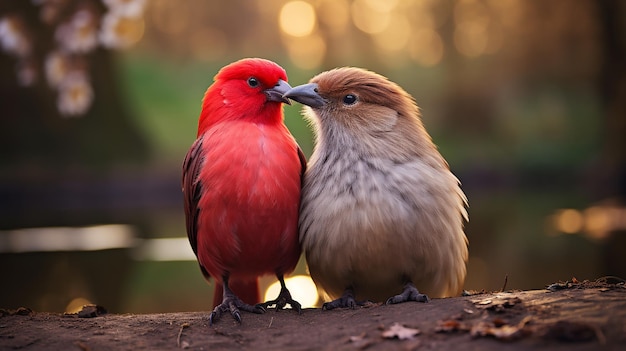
{"x":81,"y":345}
{"x":180,"y":333}
{"x":506,"y":280}
{"x":271,"y":321}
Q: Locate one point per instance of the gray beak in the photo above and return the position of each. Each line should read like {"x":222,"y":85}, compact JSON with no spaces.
{"x":306,"y":94}
{"x":277,"y":92}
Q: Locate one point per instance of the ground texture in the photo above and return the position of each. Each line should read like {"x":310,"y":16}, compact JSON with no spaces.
{"x":571,"y":315}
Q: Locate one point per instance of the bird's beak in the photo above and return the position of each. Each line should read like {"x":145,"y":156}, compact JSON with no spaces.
{"x":277,"y":92}
{"x":306,"y":94}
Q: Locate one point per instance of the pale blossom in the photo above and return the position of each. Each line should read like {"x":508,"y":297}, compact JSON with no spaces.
{"x":13,"y":38}
{"x":128,"y":8}
{"x":120,"y":31}
{"x":79,"y":34}
{"x":56,"y":67}
{"x":51,"y":10}
{"x":75,"y":94}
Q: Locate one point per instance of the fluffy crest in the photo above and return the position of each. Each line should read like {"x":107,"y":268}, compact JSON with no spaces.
{"x":266,"y":71}
{"x":369,"y":86}
{"x":233,"y":97}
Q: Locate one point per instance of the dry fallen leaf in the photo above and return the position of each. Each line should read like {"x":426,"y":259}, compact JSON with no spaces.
{"x":506,"y":332}
{"x":449,"y":326}
{"x":401,"y":332}
{"x":500,"y":330}
{"x":498,"y":303}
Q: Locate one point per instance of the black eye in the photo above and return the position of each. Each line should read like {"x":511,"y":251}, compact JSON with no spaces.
{"x":349,"y":99}
{"x":253,"y":82}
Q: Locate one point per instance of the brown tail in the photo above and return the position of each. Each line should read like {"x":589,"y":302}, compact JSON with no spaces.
{"x":247,"y":291}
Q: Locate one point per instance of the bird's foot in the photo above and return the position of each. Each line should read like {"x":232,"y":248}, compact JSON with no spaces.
{"x":410,"y":293}
{"x":284,"y":298}
{"x":233,"y":304}
{"x":345,"y":301}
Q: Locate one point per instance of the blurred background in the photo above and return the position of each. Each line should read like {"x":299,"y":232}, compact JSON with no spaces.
{"x":99,"y":101}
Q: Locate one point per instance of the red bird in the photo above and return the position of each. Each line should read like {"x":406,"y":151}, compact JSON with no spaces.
{"x":241,"y":185}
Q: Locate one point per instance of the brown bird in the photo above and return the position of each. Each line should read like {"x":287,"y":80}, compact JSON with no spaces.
{"x":381,"y":214}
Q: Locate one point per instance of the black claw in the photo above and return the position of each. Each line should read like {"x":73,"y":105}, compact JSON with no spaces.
{"x":284,"y":298}
{"x":345,"y":301}
{"x":232,"y":304}
{"x":296,"y":306}
{"x":260,"y":307}
{"x":215,"y":315}
{"x":410,"y":293}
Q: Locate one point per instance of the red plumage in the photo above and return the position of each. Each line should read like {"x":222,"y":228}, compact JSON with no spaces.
{"x":241,"y":184}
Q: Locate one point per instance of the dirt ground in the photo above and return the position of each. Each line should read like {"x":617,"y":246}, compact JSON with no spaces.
{"x":569,"y":316}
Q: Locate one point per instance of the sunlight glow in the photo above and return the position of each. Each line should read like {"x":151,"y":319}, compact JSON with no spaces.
{"x":396,"y":36}
{"x":471,"y":19}
{"x":336,"y":15}
{"x":100,"y":237}
{"x":164,"y":249}
{"x":596,"y":222}
{"x":369,"y":19}
{"x":76,"y":305}
{"x":382,"y":6}
{"x":569,"y":221}
{"x":306,"y":53}
{"x":297,"y":18}
{"x":470,"y":38}
{"x":301,"y":287}
{"x":426,"y":47}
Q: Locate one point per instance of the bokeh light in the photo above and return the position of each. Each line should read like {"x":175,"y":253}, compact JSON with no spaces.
{"x":76,"y":305}
{"x":569,"y":221}
{"x":297,"y":18}
{"x":336,"y":16}
{"x":369,"y":18}
{"x":306,"y":53}
{"x":427,"y":47}
{"x":471,"y":20}
{"x":396,"y":35}
{"x":301,"y":287}
{"x":598,"y":221}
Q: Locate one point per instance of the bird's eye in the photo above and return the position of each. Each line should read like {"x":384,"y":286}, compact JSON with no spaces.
{"x":253,"y":82}
{"x":349,"y":99}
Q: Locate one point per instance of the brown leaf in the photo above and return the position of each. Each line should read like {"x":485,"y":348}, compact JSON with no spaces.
{"x":500,"y":330}
{"x":451,"y":325}
{"x":498,"y":303}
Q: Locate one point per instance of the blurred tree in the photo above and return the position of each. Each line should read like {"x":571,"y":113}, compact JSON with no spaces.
{"x":41,"y":149}
{"x":612,"y":86}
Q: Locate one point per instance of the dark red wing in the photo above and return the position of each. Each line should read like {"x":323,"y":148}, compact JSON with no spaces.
{"x":192,"y":190}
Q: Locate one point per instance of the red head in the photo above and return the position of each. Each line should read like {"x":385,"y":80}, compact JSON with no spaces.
{"x":250,"y":88}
